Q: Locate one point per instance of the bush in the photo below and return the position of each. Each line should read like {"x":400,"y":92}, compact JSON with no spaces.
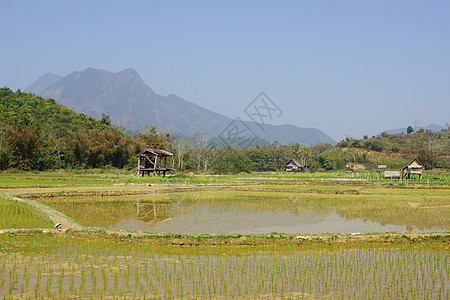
{"x":375,"y":145}
{"x":427,"y":158}
{"x":395,"y":148}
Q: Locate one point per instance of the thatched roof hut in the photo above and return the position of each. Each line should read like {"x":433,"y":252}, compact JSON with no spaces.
{"x":415,"y":167}
{"x":293,"y":166}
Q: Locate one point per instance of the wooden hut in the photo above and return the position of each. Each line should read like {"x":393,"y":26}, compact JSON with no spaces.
{"x":415,"y":167}
{"x":293,"y":166}
{"x":154,"y":161}
{"x":392,"y":174}
{"x":381,"y":168}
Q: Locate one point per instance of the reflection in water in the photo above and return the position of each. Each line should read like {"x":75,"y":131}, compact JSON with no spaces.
{"x":187,"y":216}
{"x":254,"y":213}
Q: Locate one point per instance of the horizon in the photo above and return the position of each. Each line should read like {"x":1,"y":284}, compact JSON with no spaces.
{"x":390,"y":131}
{"x":348,"y":69}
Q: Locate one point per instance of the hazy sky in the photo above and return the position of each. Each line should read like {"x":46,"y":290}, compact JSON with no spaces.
{"x":348,"y":68}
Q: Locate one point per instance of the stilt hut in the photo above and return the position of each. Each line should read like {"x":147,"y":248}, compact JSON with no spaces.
{"x":415,"y":167}
{"x":153,"y":161}
{"x":293,"y":166}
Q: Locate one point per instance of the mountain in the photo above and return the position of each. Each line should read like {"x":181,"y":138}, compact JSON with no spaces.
{"x":131,"y":103}
{"x":43,"y":82}
{"x":431,"y":127}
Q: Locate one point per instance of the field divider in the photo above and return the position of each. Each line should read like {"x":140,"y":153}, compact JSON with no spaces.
{"x":55,"y":216}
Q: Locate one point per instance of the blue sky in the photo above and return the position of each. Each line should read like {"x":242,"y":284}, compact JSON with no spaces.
{"x":348,"y":68}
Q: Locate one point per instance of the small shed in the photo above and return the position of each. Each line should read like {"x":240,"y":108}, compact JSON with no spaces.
{"x":350,"y":169}
{"x":415,"y":167}
{"x":392,"y":174}
{"x":381,"y":168}
{"x":154,"y":161}
{"x":293,"y":166}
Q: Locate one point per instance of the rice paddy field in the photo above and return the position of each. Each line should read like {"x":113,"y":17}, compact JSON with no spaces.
{"x":255,"y":236}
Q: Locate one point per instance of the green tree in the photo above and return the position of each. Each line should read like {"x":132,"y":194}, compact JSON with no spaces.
{"x":329,"y":163}
{"x":427,"y":157}
{"x":26,"y":146}
{"x":106,"y":119}
{"x":230,"y":161}
{"x":375,"y":145}
{"x":409,"y":129}
{"x":149,"y":138}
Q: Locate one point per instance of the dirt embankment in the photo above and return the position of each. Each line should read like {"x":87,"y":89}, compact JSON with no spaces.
{"x":60,"y":220}
{"x":244,"y":240}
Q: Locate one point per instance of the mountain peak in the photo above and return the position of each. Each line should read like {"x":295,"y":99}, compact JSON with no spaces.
{"x":48,"y":76}
{"x":42,"y":83}
{"x":129,"y":71}
{"x":124,"y":95}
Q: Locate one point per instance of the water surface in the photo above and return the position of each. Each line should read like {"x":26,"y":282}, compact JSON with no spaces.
{"x":257,"y":213}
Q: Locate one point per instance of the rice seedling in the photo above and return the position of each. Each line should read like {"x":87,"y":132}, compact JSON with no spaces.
{"x":82,"y":265}
{"x":19,"y":215}
{"x":338,"y":271}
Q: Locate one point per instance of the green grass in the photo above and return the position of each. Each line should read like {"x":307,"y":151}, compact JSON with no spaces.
{"x":178,"y":178}
{"x":407,"y":191}
{"x":46,"y":266}
{"x":15,"y":215}
{"x":39,"y":181}
{"x":86,"y":265}
{"x":306,"y":187}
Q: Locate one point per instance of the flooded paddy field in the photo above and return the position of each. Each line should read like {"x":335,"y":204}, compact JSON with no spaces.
{"x":226,"y":211}
{"x":71,"y":266}
{"x":237,"y":237}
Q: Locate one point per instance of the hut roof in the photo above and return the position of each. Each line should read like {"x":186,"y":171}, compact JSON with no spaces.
{"x":294,"y":162}
{"x":415,"y":163}
{"x":156,"y":152}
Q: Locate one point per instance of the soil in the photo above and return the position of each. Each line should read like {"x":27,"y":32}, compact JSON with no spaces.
{"x":243,"y":240}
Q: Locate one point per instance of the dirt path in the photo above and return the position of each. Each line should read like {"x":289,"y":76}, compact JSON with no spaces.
{"x":55,"y":216}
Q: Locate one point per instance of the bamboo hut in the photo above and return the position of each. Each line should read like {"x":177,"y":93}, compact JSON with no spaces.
{"x":415,"y":167}
{"x":153,"y":161}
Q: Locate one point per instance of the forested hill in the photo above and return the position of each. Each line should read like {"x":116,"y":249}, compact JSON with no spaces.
{"x":39,"y":134}
{"x":23,"y":109}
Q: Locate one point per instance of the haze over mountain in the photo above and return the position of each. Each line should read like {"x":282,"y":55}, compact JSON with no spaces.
{"x":431,"y":127}
{"x":128,"y":100}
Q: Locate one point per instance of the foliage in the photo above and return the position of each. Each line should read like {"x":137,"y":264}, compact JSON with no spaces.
{"x":19,"y":215}
{"x":230,"y":161}
{"x":39,"y":134}
{"x":375,"y":145}
{"x":427,"y":157}
{"x":409,"y":130}
{"x":26,"y":145}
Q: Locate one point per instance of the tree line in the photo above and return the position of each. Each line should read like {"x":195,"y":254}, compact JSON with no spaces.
{"x":39,"y":134}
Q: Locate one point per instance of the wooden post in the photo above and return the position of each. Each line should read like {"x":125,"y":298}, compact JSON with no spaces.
{"x":138,"y":166}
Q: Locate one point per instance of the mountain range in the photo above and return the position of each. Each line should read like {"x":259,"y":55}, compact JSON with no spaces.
{"x":131,"y":104}
{"x":431,"y":127}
